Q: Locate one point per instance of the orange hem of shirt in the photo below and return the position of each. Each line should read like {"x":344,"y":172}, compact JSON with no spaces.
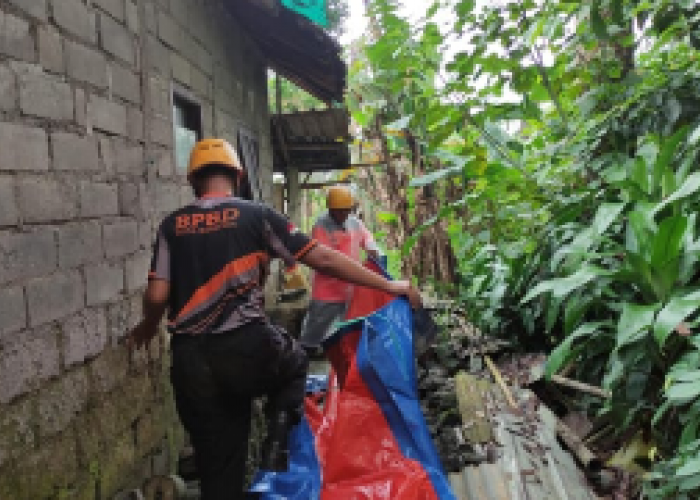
{"x":233,"y":268}
{"x":306,"y":249}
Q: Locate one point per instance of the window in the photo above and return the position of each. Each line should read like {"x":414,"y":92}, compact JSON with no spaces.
{"x":187,"y":123}
{"x":249,"y":153}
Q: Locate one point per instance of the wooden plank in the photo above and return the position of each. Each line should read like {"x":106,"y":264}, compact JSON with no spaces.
{"x":472,"y":407}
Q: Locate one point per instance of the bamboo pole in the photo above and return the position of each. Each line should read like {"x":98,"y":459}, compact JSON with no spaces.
{"x":580,"y":386}
{"x":501,"y":383}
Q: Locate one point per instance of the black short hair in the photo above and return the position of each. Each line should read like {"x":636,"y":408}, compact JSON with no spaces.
{"x":212,"y":170}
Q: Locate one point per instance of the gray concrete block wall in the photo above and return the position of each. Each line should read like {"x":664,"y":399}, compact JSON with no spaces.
{"x":86,"y":175}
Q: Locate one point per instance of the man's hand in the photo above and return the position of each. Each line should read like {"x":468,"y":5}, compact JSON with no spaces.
{"x":155,"y":302}
{"x":404,"y":287}
{"x":141,"y":335}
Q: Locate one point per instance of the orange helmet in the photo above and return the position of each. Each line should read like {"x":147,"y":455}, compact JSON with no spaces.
{"x":213,"y":152}
{"x":339,"y":197}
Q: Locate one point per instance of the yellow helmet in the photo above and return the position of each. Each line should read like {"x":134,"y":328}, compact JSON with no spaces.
{"x":339,"y":197}
{"x":213,"y":152}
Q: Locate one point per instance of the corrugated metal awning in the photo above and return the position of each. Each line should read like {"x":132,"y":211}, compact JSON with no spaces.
{"x":294,"y":47}
{"x":311,"y":141}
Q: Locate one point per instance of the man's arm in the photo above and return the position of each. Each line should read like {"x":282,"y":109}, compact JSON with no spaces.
{"x":155,"y":303}
{"x":368,"y":243}
{"x":338,"y":265}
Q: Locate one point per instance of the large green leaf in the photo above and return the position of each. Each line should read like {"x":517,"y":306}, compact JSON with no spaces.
{"x":690,"y":186}
{"x":667,"y":242}
{"x":683,"y":392}
{"x":563,"y":353}
{"x":597,"y":23}
{"x":664,"y":159}
{"x":690,"y":468}
{"x":435,"y":176}
{"x":641,"y":234}
{"x":400,"y":124}
{"x":562,"y":286}
{"x":674,"y":312}
{"x":634,"y":322}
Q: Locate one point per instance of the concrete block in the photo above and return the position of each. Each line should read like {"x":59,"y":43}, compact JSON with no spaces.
{"x":149,"y":431}
{"x":16,"y":39}
{"x":105,"y":283}
{"x":125,"y":83}
{"x":17,"y":429}
{"x":109,"y":369}
{"x":98,"y":199}
{"x":203,"y":59}
{"x":186,"y":195}
{"x":56,"y":411}
{"x":79,"y":243}
{"x":120,"y":238}
{"x":80,"y":107}
{"x":27,"y":362}
{"x":121,"y":317}
{"x":86,"y":64}
{"x":160,"y":97}
{"x":180,"y":68}
{"x":146,"y":234}
{"x":165,"y":163}
{"x":134,"y":200}
{"x":54,"y":297}
{"x":132,"y":16}
{"x":207,"y":120}
{"x":162,"y":132}
{"x":120,"y":456}
{"x":106,"y":115}
{"x":168,"y":30}
{"x":46,"y":200}
{"x":74,"y":152}
{"x":76,"y":18}
{"x":180,"y":10}
{"x":224,"y":123}
{"x":200,"y":83}
{"x":27,"y":255}
{"x":159,"y":56}
{"x":9,"y":213}
{"x":136,"y":271}
{"x":23,"y":148}
{"x":114,"y":8}
{"x":45,"y":96}
{"x":129,"y":159}
{"x":13,"y":310}
{"x":166,"y":197}
{"x":84,"y":336}
{"x":33,"y":8}
{"x":117,"y":40}
{"x":50,"y":50}
{"x":151,"y":18}
{"x":107,"y":153}
{"x":134,"y":124}
{"x":188,"y":46}
{"x":50,"y":468}
{"x":8,"y":89}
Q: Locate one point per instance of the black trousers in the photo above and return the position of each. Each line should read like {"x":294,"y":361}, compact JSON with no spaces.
{"x":215,"y":377}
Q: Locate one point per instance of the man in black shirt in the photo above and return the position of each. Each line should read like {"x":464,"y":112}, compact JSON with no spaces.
{"x":207,"y":272}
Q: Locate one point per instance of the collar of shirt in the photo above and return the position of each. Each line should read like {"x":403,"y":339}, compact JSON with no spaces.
{"x":215,"y":195}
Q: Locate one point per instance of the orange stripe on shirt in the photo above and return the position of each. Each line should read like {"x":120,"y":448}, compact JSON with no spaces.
{"x":232,"y":269}
{"x":306,"y":249}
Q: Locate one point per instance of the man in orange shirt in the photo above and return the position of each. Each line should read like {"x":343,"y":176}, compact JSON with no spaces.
{"x":341,"y":231}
